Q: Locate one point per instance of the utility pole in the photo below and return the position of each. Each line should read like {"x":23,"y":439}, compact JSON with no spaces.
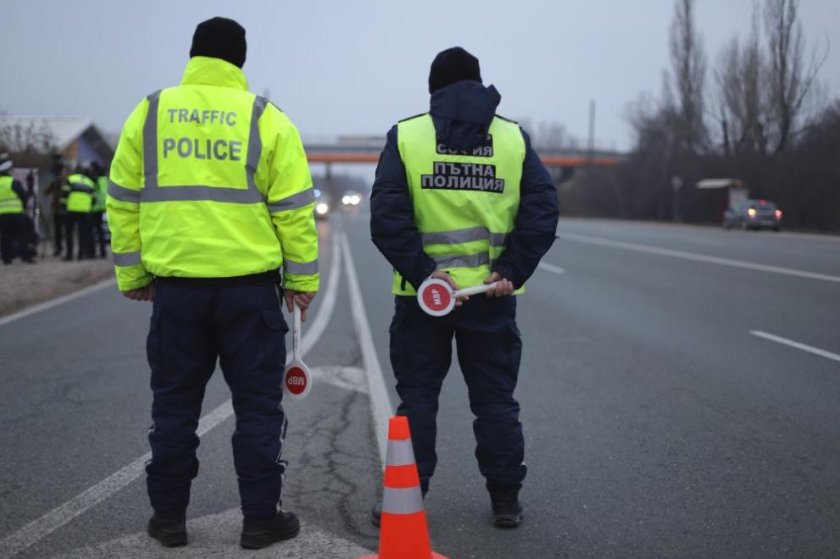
{"x":590,"y":144}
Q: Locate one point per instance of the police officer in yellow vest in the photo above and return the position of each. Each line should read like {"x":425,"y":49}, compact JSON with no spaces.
{"x":460,"y":195}
{"x":12,"y":220}
{"x":210,"y":195}
{"x":78,"y":193}
{"x":97,"y":214}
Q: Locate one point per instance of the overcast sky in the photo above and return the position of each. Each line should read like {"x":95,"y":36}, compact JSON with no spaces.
{"x":356,"y":67}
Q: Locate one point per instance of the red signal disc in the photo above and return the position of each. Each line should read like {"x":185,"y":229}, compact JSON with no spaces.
{"x":436,"y":297}
{"x":296,"y":381}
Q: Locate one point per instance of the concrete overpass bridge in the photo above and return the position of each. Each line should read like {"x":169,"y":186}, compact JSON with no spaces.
{"x":367,"y":153}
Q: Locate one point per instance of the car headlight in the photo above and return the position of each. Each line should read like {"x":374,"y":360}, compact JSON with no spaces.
{"x":321,"y":208}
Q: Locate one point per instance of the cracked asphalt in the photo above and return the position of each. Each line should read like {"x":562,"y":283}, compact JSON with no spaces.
{"x":656,"y":424}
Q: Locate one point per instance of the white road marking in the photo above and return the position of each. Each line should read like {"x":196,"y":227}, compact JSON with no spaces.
{"x":698,"y":257}
{"x":319,"y":323}
{"x":797,"y":345}
{"x":551,"y":268}
{"x":380,"y":402}
{"x":61,"y":515}
{"x":348,"y":378}
{"x":57,"y":301}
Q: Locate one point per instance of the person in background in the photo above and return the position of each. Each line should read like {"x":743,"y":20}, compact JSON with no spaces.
{"x":79,"y":191}
{"x":58,"y":205}
{"x":460,"y":195}
{"x":13,"y":200}
{"x":97,"y":215}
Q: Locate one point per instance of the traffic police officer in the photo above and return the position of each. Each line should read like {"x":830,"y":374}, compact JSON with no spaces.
{"x":12,"y":207}
{"x":209,"y":195}
{"x":79,"y":192}
{"x":97,"y":213}
{"x":460,"y":195}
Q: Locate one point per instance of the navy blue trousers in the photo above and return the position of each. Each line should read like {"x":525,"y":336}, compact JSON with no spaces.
{"x":489,"y":350}
{"x":191,"y":327}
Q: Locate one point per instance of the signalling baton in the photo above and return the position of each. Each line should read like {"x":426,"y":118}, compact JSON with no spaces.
{"x":297,"y":380}
{"x":437,"y":298}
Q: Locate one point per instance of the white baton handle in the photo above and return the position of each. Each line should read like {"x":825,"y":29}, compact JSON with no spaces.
{"x":296,"y":332}
{"x":467,"y":291}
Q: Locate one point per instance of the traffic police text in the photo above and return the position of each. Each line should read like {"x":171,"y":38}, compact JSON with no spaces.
{"x":203,"y":148}
{"x":485,"y":149}
{"x":463,"y":176}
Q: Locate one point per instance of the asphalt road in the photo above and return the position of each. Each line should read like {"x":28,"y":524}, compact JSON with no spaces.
{"x":679,"y":392}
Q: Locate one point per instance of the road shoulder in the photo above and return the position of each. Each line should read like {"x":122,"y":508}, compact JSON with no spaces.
{"x":25,"y":285}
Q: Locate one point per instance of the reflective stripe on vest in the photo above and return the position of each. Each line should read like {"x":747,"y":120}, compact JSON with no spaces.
{"x":122,"y":193}
{"x":127,"y":258}
{"x":465,"y":202}
{"x":464,"y":236}
{"x":9,"y":201}
{"x":294,"y":201}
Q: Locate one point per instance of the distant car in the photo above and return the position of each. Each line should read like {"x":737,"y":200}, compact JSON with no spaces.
{"x":351,"y":198}
{"x":322,"y":206}
{"x":753,"y":214}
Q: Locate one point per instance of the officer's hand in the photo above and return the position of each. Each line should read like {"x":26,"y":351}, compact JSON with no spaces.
{"x":503,"y":288}
{"x":300,"y":298}
{"x":146,"y":293}
{"x":440,"y":274}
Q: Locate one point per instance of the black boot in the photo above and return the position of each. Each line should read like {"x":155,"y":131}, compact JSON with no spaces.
{"x":376,"y":513}
{"x":507,"y":511}
{"x":258,"y":533}
{"x":169,"y":531}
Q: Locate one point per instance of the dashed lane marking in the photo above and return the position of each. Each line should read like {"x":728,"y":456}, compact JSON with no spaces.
{"x":797,"y":345}
{"x":698,"y":257}
{"x":57,"y":301}
{"x":551,"y":268}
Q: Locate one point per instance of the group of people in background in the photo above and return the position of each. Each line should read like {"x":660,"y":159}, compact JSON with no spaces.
{"x":78,"y":209}
{"x":78,"y":212}
{"x":16,"y":230}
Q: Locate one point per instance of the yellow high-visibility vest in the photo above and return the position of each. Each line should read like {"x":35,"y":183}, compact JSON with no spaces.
{"x":101,"y":194}
{"x":79,"y":191}
{"x":9,"y":201}
{"x":209,"y":181}
{"x":465,"y":203}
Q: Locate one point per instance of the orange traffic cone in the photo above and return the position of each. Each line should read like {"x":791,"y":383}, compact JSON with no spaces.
{"x":403,"y":532}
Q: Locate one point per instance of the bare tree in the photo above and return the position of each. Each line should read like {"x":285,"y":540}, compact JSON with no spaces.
{"x":688,"y":60}
{"x":741,"y":79}
{"x":25,"y":137}
{"x":554,"y":136}
{"x":791,"y":78}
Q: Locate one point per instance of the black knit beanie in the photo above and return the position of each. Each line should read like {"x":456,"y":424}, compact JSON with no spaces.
{"x":220,"y":37}
{"x":453,"y":65}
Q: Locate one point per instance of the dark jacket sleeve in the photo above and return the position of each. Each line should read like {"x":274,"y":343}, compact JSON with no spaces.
{"x":392,"y":225}
{"x":536,"y":222}
{"x":17,"y":187}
